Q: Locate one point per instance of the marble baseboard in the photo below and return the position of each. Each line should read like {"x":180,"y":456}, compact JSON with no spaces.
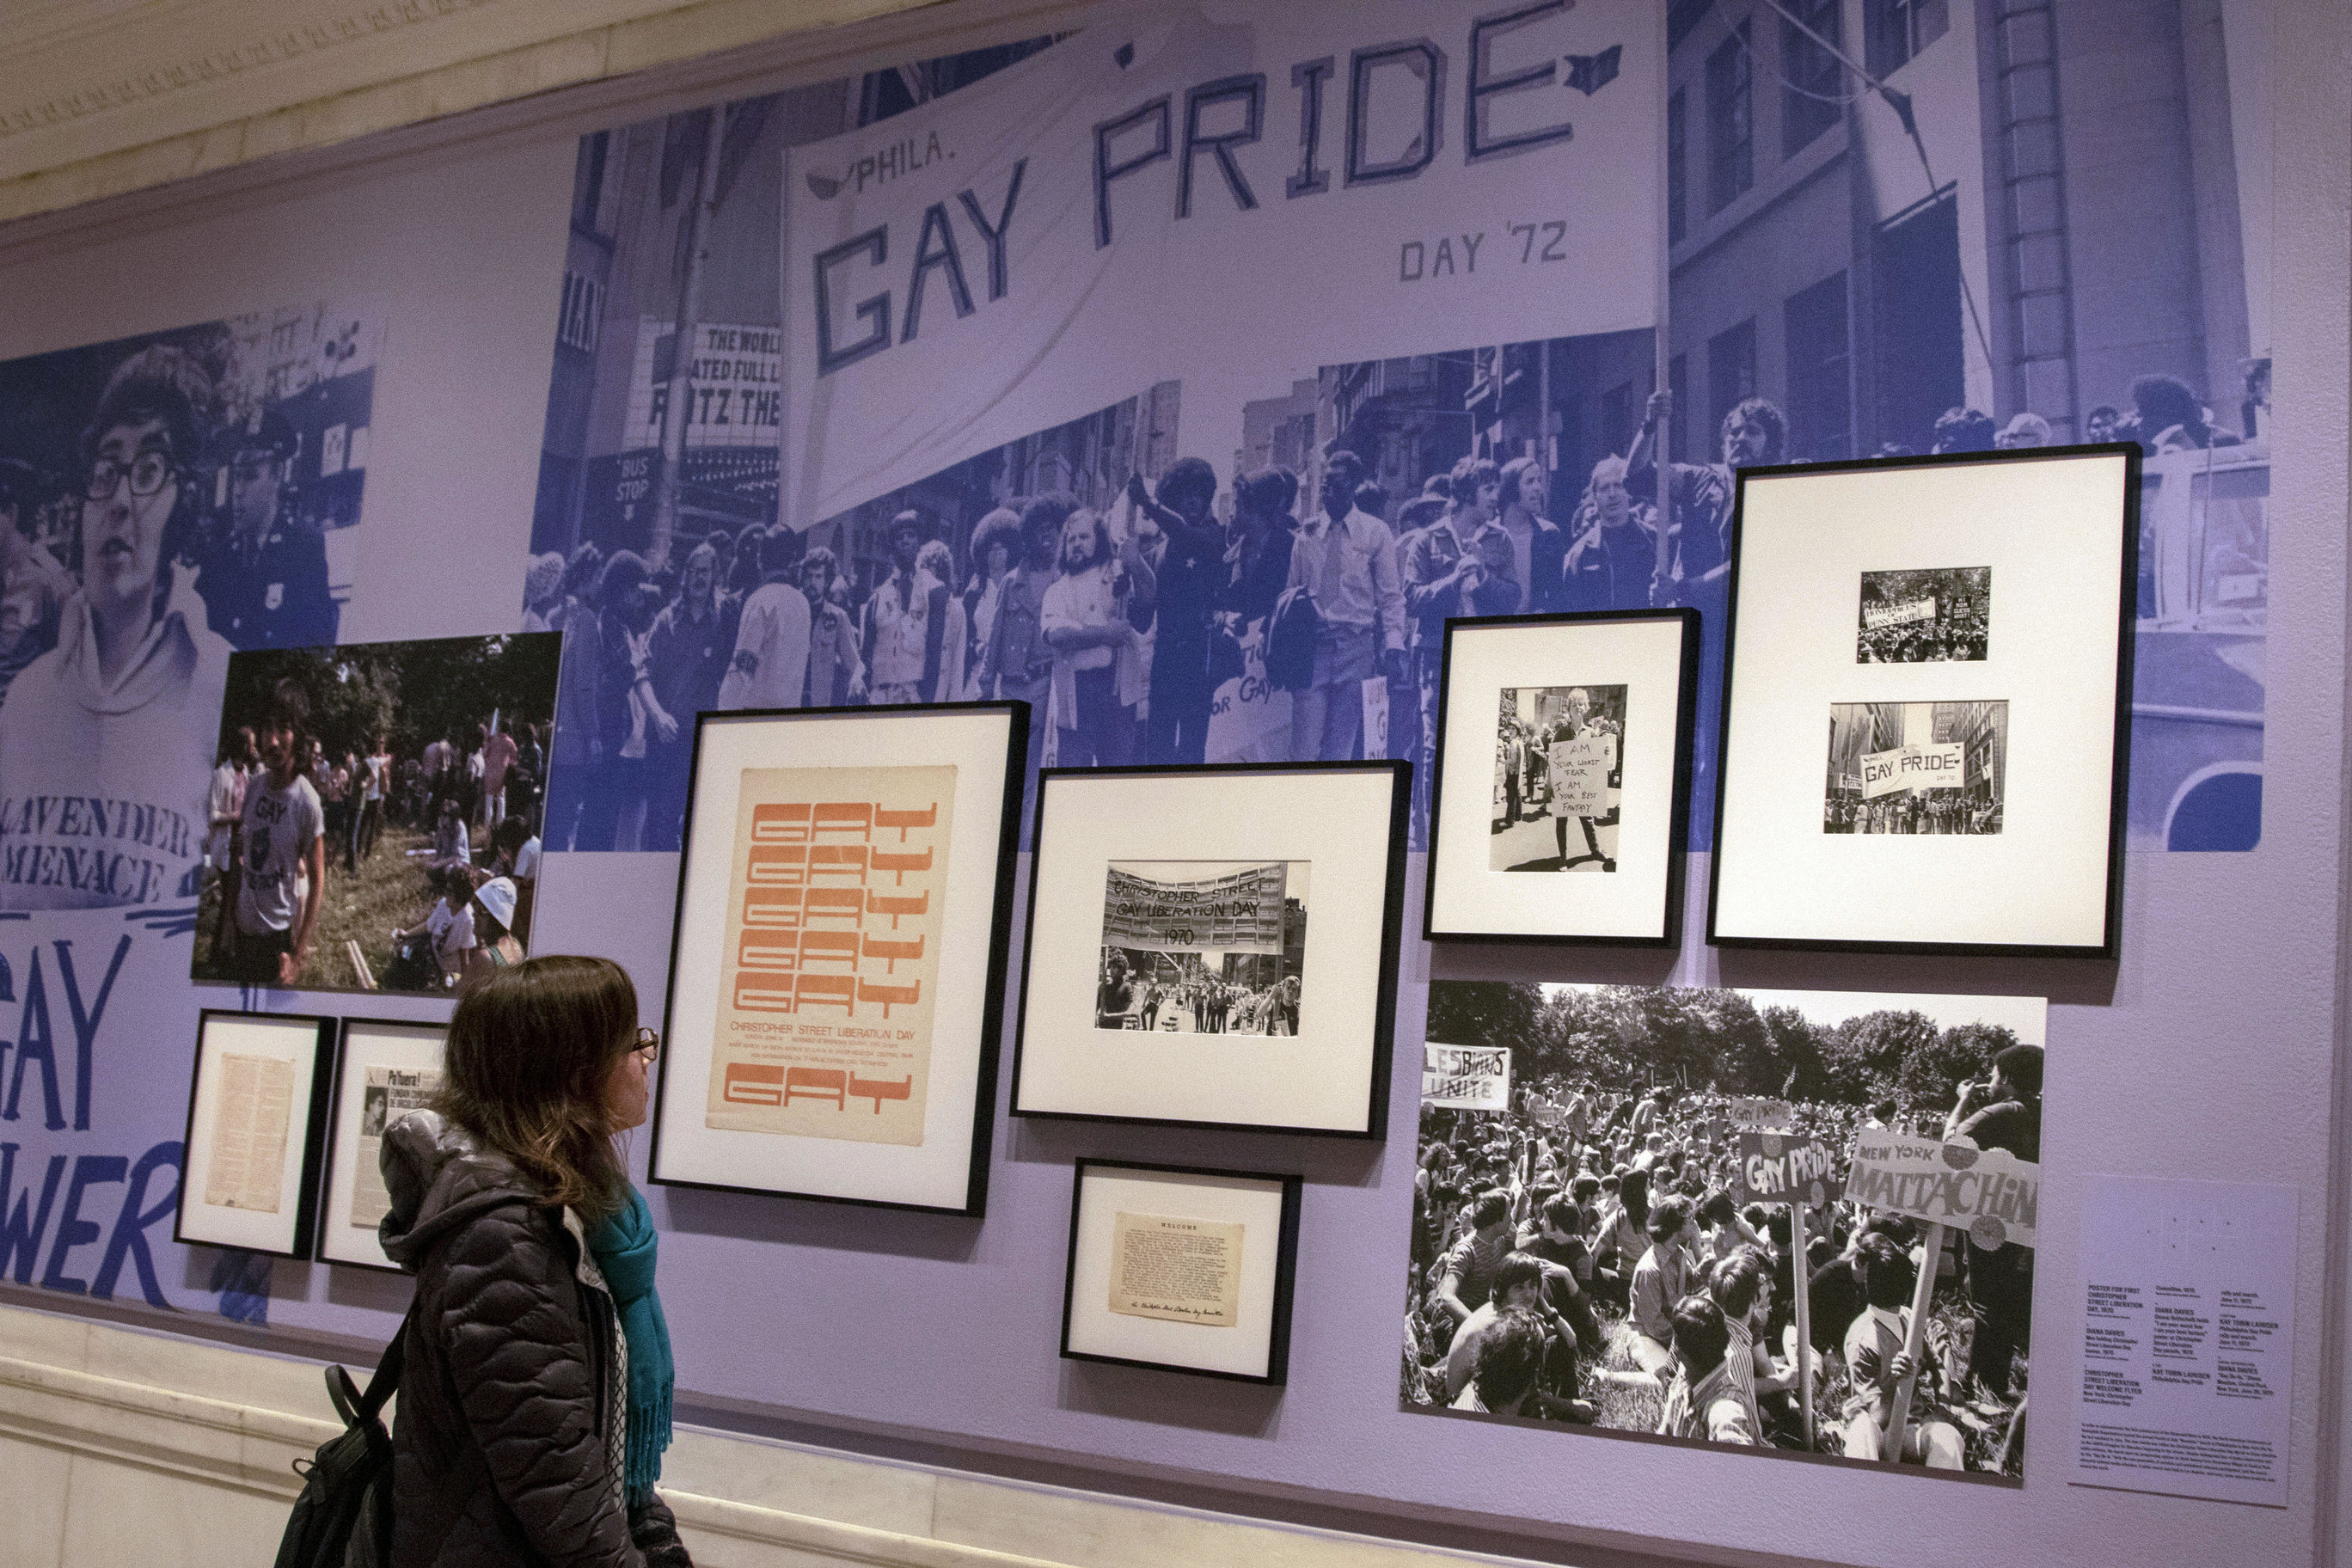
{"x":130,"y":1447}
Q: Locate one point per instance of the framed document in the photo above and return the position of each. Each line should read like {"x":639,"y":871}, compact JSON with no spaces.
{"x":1214,"y":946}
{"x":1926,"y":705}
{"x":256,"y":1119}
{"x":836,"y":974}
{"x":1567,"y":742}
{"x":384,"y":1068}
{"x":1183,"y":1269}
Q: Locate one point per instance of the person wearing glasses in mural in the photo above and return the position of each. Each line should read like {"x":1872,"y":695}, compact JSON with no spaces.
{"x":107,"y":741}
{"x":264,"y":580}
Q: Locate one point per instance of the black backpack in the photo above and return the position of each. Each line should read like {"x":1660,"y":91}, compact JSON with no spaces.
{"x":343,"y":1518}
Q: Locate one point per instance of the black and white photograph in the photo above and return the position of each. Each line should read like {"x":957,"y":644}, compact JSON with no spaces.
{"x":1831,"y":841}
{"x":1562,"y":756}
{"x":1173,"y":902}
{"x":1203,"y":947}
{"x":1559,"y":750}
{"x":1917,"y":767}
{"x":1675,"y":1224}
{"x":373,"y":813}
{"x":1935,"y":616}
{"x":179,"y":495}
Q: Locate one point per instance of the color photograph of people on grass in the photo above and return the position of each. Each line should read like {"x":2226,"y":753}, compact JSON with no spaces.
{"x":374,"y":814}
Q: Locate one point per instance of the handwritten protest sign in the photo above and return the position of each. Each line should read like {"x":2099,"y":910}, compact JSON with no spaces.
{"x":1467,"y":1078}
{"x":1990,"y":1193}
{"x":1748,"y":1110}
{"x":1579,"y":775}
{"x":1876,"y":616}
{"x":1780,"y":1168}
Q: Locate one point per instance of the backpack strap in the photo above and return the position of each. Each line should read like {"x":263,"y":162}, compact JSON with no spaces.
{"x":357,"y":1408}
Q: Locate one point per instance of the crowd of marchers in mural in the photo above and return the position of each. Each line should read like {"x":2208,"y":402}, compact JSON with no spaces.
{"x":1121,"y":621}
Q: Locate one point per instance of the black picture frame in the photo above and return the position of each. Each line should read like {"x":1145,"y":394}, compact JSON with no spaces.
{"x":2109,"y":947}
{"x":1286,"y":1274}
{"x":1374,"y":1126}
{"x":334,"y":1135}
{"x":314,"y":1133}
{"x":1006,"y":844}
{"x":1677,"y":806}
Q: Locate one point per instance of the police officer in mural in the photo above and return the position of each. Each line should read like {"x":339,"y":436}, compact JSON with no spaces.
{"x":263,"y":578}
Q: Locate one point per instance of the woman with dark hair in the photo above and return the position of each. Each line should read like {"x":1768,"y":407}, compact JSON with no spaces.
{"x":995,"y":551}
{"x":535,"y":1401}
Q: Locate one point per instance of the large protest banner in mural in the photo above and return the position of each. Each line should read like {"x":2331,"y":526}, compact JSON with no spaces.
{"x":940,"y":316}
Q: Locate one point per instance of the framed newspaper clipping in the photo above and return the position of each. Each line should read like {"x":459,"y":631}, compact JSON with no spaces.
{"x":1926,"y":704}
{"x":1567,"y":742}
{"x":384,"y":1068}
{"x":256,"y":1119}
{"x":837,"y":976}
{"x":1182,"y":1269}
{"x":1214,"y":946}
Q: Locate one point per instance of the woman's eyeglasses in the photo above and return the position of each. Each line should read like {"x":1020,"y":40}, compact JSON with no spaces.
{"x":147,"y":472}
{"x":648,"y":1046}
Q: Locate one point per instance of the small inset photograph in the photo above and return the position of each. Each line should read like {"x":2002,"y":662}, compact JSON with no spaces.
{"x":1203,"y":947}
{"x":1559,"y":756}
{"x":1935,"y":615}
{"x":1916,"y":767}
{"x":373,"y":814}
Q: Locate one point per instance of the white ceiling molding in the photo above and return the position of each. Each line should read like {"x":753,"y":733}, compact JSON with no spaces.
{"x":102,"y":97}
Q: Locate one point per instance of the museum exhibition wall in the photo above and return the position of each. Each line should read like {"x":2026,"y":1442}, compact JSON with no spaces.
{"x":1252,"y":693}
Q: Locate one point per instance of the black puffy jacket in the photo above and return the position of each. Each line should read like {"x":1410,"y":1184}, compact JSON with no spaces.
{"x":503,"y":1436}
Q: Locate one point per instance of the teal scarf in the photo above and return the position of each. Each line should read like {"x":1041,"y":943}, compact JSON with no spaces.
{"x":624,"y":1246}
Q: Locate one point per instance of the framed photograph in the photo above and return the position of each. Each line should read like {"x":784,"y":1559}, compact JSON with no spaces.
{"x":257,"y":1122}
{"x":1567,"y":740}
{"x":421,"y":770}
{"x":1183,"y":1269}
{"x":384,"y":1068}
{"x":1826,"y":1132}
{"x":837,"y":973}
{"x":1926,"y":705}
{"x":1214,"y":946}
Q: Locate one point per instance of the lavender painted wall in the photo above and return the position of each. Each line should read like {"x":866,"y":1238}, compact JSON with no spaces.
{"x":2209,"y":1051}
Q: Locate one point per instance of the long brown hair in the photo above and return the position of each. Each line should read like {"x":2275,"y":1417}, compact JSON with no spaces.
{"x":530,"y":1048}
